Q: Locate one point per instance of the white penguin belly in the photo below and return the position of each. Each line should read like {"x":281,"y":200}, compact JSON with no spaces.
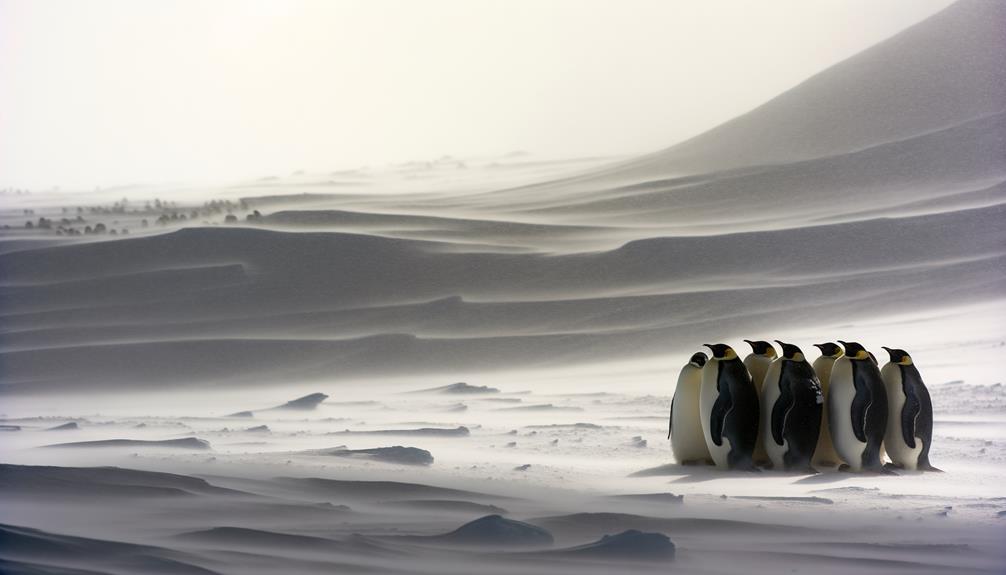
{"x":770,"y":394}
{"x":758,"y":366}
{"x":894,"y":439}
{"x":687,"y":440}
{"x":710,"y":392}
{"x":841,"y":392}
{"x":825,"y":451}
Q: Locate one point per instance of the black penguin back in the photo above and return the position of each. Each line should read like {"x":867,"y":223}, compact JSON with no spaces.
{"x":869,"y":410}
{"x":917,"y":411}
{"x":741,"y":424}
{"x":805,"y":403}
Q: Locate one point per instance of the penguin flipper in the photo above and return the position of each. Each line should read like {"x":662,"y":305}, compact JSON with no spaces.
{"x":670,"y":420}
{"x":909,"y":415}
{"x":780,"y":411}
{"x":718,"y":416}
{"x":860,"y":406}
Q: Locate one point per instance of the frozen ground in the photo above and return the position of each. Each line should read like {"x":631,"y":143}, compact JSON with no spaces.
{"x":865,"y":204}
{"x":578,"y":470}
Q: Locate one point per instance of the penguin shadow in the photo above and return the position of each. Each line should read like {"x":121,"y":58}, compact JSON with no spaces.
{"x":830,"y":476}
{"x":659,"y":471}
{"x":837,"y":475}
{"x":782,"y":473}
{"x":686,"y":473}
{"x":895,"y":469}
{"x":670,"y":469}
{"x":703,"y":473}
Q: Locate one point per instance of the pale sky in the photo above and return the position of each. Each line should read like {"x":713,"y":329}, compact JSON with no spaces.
{"x":107,"y":92}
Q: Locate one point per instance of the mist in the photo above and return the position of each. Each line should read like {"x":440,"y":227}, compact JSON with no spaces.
{"x":113,"y":93}
{"x":412,"y":287}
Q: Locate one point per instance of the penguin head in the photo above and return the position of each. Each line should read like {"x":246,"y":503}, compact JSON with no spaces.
{"x":761,"y":348}
{"x":899,"y":356}
{"x":790,"y":351}
{"x":698,"y":359}
{"x":854,"y":350}
{"x":721,"y":350}
{"x":830,"y":349}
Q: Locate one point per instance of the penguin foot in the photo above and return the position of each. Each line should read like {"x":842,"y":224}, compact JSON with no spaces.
{"x":691,"y":462}
{"x":885,"y":470}
{"x":892,"y":466}
{"x":929,"y":467}
{"x":844,"y":468}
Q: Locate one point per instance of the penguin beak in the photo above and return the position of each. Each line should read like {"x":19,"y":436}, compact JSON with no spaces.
{"x":779,"y":342}
{"x":748,"y":341}
{"x":844,"y":343}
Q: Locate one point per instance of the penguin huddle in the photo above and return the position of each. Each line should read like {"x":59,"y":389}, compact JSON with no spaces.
{"x":782,"y":412}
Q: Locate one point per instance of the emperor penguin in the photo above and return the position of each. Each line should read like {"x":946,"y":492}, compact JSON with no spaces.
{"x":791,"y":406}
{"x":825,"y":453}
{"x":857,"y":409}
{"x":685,"y":425}
{"x":910,"y":413}
{"x":757,"y":362}
{"x":729,"y":408}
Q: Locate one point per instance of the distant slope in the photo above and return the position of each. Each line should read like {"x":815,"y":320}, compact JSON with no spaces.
{"x":943,"y":71}
{"x":957,"y":167}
